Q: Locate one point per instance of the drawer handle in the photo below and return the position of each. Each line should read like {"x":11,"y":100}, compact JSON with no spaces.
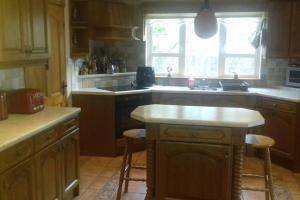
{"x":275,"y":105}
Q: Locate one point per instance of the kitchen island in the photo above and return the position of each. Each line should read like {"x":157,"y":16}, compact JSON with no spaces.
{"x":195,"y":152}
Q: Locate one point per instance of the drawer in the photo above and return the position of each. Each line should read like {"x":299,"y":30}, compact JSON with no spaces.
{"x":195,"y":134}
{"x":46,"y":138}
{"x":16,"y":154}
{"x":277,"y":105}
{"x":69,"y":125}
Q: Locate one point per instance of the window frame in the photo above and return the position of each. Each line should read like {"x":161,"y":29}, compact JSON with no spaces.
{"x":182,"y":46}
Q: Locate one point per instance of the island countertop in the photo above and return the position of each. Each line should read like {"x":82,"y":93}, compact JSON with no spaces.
{"x":18,"y":128}
{"x":198,"y":115}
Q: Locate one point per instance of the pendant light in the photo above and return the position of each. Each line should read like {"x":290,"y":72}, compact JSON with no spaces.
{"x":206,"y":24}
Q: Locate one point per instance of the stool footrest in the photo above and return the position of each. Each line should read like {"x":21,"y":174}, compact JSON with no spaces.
{"x":253,"y":175}
{"x":256,"y":189}
{"x":135,"y":179}
{"x":138,"y":167}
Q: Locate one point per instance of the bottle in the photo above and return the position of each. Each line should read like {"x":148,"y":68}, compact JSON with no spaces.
{"x":191,"y":83}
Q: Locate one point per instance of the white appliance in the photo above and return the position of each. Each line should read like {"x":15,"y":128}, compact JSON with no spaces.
{"x":293,"y":76}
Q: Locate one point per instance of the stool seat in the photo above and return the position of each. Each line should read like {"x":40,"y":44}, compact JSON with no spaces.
{"x":262,"y":143}
{"x":259,"y":141}
{"x":135,"y":133}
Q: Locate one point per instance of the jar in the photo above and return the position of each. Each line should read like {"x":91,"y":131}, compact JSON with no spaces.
{"x":3,"y":106}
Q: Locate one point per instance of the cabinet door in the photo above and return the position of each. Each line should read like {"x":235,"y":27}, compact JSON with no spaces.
{"x":49,"y":173}
{"x":295,"y":31}
{"x":19,"y":183}
{"x":279,"y":29}
{"x":12,"y":22}
{"x":37,"y":29}
{"x":70,"y":154}
{"x":193,"y":171}
{"x":281,"y":127}
{"x":56,"y":73}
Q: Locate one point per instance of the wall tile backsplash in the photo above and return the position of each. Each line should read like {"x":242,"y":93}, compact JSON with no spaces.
{"x":12,"y":79}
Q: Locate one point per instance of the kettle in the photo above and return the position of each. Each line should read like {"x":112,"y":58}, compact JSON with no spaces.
{"x":3,"y":106}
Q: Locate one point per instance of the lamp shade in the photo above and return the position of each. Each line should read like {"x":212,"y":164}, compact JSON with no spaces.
{"x":206,"y":24}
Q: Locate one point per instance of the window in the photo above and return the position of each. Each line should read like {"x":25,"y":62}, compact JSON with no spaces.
{"x":173,"y":45}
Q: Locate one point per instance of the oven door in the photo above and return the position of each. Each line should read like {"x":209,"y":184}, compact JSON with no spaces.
{"x":293,"y":77}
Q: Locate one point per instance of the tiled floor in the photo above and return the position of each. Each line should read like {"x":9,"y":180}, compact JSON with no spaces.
{"x":95,"y":172}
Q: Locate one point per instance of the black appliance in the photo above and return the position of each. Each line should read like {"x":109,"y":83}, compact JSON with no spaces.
{"x":145,"y":77}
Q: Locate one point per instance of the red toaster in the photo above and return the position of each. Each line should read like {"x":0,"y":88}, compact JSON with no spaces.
{"x":25,"y":101}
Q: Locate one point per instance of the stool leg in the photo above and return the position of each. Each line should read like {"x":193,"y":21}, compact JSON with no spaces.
{"x":129,"y":164}
{"x":266,"y":176}
{"x":270,"y":177}
{"x":122,"y":172}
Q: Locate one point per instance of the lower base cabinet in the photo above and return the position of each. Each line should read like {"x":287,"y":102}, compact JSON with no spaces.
{"x":19,"y":182}
{"x":70,"y":175}
{"x":51,"y":173}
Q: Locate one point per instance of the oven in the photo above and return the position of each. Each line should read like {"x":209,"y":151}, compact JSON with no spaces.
{"x":293,"y":76}
{"x":125,"y":104}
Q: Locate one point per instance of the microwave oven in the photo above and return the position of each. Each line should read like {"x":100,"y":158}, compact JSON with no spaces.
{"x":293,"y":77}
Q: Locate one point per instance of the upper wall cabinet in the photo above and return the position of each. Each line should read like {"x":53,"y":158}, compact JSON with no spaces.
{"x":295,"y":31}
{"x":23,"y":35}
{"x":283,"y":29}
{"x":114,"y":20}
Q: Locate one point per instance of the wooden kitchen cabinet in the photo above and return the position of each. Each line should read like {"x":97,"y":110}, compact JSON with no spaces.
{"x":19,"y":182}
{"x":205,"y":100}
{"x":181,"y":164}
{"x":295,"y":31}
{"x":49,"y":173}
{"x":24,"y":31}
{"x":283,"y":29}
{"x":70,"y":170}
{"x":279,"y":19}
{"x":281,"y":125}
{"x":103,"y":120}
{"x":114,"y":20}
{"x":47,"y":168}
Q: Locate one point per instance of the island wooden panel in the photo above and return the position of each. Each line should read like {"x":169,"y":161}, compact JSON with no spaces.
{"x":182,"y":168}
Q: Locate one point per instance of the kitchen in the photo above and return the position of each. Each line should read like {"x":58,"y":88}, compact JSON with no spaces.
{"x":83,"y":55}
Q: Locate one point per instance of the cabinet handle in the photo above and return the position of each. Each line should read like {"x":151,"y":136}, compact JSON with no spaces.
{"x":274,"y":105}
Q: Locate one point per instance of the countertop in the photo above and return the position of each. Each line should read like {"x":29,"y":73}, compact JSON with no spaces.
{"x":281,"y":93}
{"x":18,"y":128}
{"x":197,"y":115}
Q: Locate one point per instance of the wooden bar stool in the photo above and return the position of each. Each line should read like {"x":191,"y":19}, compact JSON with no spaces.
{"x":262,"y":143}
{"x":130,"y":136}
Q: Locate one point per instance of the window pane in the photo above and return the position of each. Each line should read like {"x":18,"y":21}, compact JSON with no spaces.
{"x":241,"y":66}
{"x":165,"y":35}
{"x":202,"y":55}
{"x":239,"y":33}
{"x":160,"y":64}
